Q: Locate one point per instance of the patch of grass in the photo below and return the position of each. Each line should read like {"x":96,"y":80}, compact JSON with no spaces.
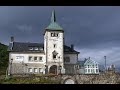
{"x":28,"y":80}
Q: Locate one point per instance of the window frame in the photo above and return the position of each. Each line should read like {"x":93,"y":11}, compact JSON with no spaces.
{"x":54,"y":34}
{"x":40,"y":58}
{"x":30,"y":70}
{"x":35,"y":70}
{"x":54,"y":45}
{"x":36,"y":58}
{"x":29,"y":59}
{"x":54,"y":56}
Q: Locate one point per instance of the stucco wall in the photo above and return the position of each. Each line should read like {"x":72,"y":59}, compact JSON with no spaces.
{"x":73,"y":58}
{"x":13,"y":55}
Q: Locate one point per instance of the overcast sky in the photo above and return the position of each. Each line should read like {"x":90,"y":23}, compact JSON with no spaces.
{"x":94,"y":30}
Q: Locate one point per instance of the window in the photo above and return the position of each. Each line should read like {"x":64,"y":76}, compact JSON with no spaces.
{"x":40,"y":70}
{"x":35,"y":58}
{"x":91,"y":70}
{"x":54,"y":56}
{"x":19,"y":58}
{"x":88,"y":70}
{"x":85,"y":70}
{"x":35,"y":48}
{"x":93,"y":66}
{"x":35,"y":70}
{"x":29,"y":70}
{"x":96,"y":66}
{"x":40,"y":58}
{"x":67,"y":59}
{"x":96,"y":70}
{"x":30,"y":48}
{"x":30,"y":58}
{"x":54,"y":34}
{"x":88,"y":66}
{"x":54,"y":45}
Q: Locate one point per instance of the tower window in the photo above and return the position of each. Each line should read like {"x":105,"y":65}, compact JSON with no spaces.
{"x":54,"y":45}
{"x":54,"y":34}
{"x":54,"y":56}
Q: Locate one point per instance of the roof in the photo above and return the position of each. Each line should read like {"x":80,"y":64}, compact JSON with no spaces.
{"x":86,"y":61}
{"x":53,"y":25}
{"x":89,"y":61}
{"x":69,"y":50}
{"x":25,"y":47}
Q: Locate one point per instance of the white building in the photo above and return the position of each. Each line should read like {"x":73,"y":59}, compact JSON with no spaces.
{"x":88,"y":66}
{"x":52,"y":56}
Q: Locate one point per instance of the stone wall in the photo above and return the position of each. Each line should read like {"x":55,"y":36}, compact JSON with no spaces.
{"x":104,"y":78}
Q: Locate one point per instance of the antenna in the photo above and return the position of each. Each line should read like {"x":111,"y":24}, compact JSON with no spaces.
{"x":105,"y":62}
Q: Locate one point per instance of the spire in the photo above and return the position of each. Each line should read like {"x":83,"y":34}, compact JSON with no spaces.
{"x":53,"y":24}
{"x":53,"y":18}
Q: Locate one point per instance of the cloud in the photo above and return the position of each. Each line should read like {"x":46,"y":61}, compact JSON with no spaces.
{"x":24,"y":28}
{"x":97,"y":54}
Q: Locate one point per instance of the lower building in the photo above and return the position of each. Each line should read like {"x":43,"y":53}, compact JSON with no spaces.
{"x":88,"y":66}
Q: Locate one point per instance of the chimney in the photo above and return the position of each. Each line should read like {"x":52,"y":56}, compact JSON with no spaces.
{"x":89,"y":58}
{"x":12,"y":39}
{"x":72,"y":46}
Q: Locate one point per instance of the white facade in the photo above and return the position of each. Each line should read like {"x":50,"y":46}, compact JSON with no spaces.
{"x":24,"y":57}
{"x":54,"y":44}
{"x":91,"y":67}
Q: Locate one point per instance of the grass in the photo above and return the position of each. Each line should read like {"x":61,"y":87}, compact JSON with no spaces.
{"x":28,"y":80}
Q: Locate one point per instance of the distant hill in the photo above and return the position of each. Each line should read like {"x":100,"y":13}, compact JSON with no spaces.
{"x":4,"y":56}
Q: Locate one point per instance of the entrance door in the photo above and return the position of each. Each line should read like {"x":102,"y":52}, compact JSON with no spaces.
{"x":53,"y":69}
